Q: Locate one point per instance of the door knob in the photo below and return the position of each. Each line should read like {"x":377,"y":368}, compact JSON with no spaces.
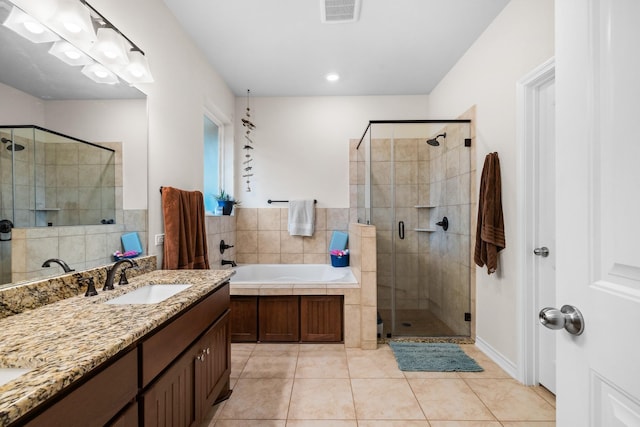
{"x":568,"y":317}
{"x":543,"y":251}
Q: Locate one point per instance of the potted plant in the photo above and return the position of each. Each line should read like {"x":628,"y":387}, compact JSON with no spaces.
{"x":226,"y":202}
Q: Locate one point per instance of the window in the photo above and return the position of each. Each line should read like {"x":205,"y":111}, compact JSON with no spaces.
{"x":212,"y":169}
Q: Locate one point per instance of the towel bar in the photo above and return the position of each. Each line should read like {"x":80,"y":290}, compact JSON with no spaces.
{"x":284,"y":201}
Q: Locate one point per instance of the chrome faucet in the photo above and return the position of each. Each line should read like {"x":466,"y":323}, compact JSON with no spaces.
{"x":108,"y":284}
{"x":231,"y":263}
{"x":60,"y":262}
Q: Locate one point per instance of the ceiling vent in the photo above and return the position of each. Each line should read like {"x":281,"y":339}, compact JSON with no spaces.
{"x":339,"y":11}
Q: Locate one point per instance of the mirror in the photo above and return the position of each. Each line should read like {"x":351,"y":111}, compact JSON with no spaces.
{"x":36,"y":88}
{"x":30,"y":68}
{"x":52,"y":179}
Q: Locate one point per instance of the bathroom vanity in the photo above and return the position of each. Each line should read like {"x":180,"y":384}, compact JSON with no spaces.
{"x":90,"y":362}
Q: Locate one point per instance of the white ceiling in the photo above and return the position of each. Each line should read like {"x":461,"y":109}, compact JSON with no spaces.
{"x":281,"y":48}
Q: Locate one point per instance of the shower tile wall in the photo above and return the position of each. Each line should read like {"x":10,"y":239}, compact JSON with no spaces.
{"x":263,"y":236}
{"x":60,"y":183}
{"x":411,"y":189}
{"x":78,"y":180}
{"x":446,"y":255}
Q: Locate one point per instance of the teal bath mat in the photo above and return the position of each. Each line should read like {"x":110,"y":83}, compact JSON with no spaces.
{"x":432,"y":357}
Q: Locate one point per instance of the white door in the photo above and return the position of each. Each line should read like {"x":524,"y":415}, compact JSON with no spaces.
{"x":546,"y":232}
{"x":598,"y":210}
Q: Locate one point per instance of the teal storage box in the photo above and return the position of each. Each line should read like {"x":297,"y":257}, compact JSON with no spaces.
{"x":338,"y":241}
{"x":131,"y":242}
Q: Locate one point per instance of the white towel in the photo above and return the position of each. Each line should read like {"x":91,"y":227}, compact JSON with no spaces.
{"x":302,"y":217}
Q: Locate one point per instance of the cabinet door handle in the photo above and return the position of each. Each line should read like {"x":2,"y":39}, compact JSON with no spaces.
{"x":401,"y":230}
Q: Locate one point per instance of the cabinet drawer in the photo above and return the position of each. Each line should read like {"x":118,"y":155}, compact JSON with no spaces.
{"x":160,"y":349}
{"x":96,"y":401}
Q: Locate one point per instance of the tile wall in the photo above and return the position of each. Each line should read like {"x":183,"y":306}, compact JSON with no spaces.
{"x":80,"y":246}
{"x":263,"y":237}
{"x":221,"y":228}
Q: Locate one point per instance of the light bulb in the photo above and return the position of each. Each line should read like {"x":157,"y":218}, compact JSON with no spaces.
{"x":34,"y":27}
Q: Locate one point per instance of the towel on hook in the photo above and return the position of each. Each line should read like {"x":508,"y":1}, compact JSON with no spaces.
{"x":490,"y":231}
{"x":302,"y":217}
{"x":185,"y":240}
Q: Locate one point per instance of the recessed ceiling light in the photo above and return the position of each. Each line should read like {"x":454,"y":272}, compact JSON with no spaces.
{"x":333,"y":77}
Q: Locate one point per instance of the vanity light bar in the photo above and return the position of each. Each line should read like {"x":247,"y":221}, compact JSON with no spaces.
{"x":29,"y":27}
{"x":68,"y":53}
{"x":105,"y":55}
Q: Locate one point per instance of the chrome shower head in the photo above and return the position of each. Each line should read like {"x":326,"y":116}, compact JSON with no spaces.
{"x":434,"y":141}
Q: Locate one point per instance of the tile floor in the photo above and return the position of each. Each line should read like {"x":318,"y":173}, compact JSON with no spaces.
{"x":326,"y":385}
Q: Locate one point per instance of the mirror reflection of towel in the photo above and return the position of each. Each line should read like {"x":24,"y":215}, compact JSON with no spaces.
{"x":302,"y":217}
{"x":185,"y":241}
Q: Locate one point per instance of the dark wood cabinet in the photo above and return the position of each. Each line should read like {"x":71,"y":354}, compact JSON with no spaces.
{"x":278,"y":318}
{"x":170,"y":400}
{"x":183,"y":393}
{"x":244,"y":318}
{"x":170,"y":377}
{"x":213,"y":365}
{"x":321,"y":318}
{"x":96,"y":401}
{"x":128,"y":417}
{"x":288,"y":318}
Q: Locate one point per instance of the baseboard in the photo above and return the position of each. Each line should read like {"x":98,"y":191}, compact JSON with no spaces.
{"x":507,"y":365}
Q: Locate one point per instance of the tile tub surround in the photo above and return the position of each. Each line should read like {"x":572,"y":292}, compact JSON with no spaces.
{"x":28,"y":296}
{"x":65,"y":340}
{"x":263,"y":236}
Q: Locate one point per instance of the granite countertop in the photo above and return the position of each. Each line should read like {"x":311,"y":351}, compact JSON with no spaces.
{"x":63,"y":341}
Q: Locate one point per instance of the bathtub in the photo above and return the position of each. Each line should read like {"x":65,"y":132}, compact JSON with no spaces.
{"x":292,"y":274}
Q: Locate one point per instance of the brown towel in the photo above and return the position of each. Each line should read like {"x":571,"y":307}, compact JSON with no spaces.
{"x":185,"y":236}
{"x":490,"y":232}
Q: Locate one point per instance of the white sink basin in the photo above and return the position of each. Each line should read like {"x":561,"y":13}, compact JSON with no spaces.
{"x":10,"y":374}
{"x":149,"y":294}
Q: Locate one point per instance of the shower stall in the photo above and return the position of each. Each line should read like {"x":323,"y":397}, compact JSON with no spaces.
{"x":414,"y":180}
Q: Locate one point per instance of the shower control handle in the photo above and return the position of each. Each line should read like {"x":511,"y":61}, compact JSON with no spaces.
{"x":401,"y":230}
{"x":444,"y":223}
{"x":224,"y":246}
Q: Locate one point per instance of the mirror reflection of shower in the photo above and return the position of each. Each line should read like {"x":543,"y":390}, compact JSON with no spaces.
{"x":434,"y":141}
{"x":52,"y":179}
{"x":12,"y":146}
